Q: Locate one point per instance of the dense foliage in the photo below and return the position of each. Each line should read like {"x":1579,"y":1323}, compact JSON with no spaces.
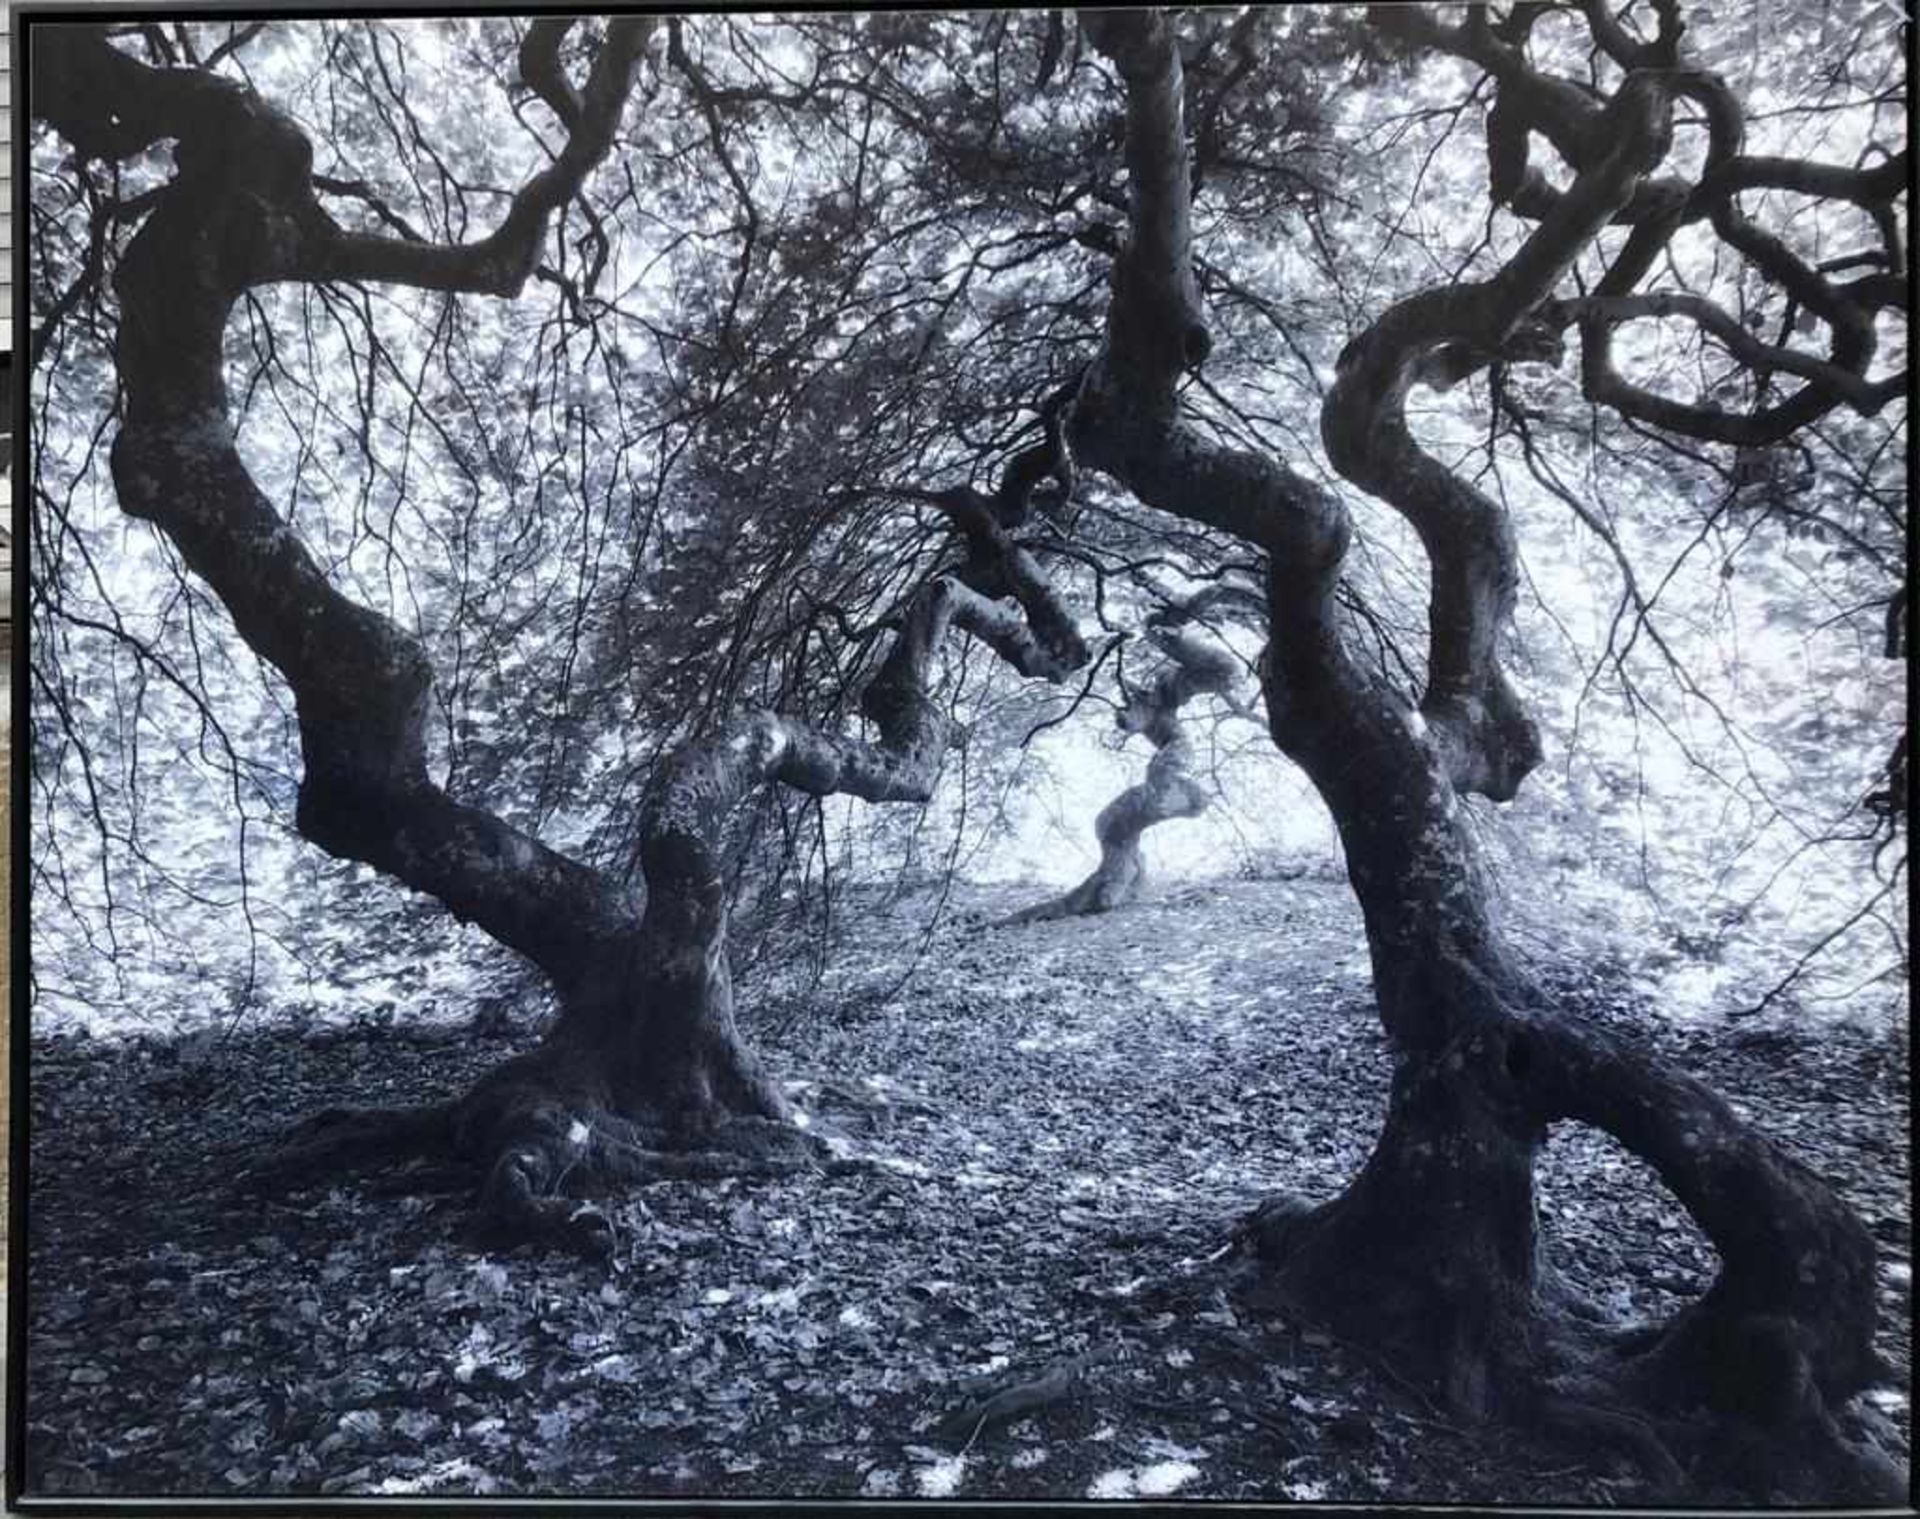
{"x":839,"y":255}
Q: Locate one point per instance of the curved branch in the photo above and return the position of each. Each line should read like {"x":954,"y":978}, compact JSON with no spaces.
{"x":1866,"y":397}
{"x":1867,"y":188}
{"x":1157,"y":322}
{"x":1794,"y":1260}
{"x":679,"y":957}
{"x":1848,"y":310}
{"x":1438,"y":337}
{"x":1624,"y":48}
{"x":1570,"y":114}
{"x":502,"y":262}
{"x":1580,"y":126}
{"x":110,"y":105}
{"x":540,"y":69}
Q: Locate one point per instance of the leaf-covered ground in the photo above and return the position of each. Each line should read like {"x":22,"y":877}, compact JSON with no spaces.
{"x":1025,"y":1299}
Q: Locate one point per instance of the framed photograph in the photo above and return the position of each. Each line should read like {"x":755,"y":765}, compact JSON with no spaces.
{"x":856,"y":755}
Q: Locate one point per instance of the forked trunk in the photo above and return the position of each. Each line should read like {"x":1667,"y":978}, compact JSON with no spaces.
{"x":645,"y":1072}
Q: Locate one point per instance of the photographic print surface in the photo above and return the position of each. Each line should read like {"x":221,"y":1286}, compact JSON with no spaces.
{"x":996,"y":754}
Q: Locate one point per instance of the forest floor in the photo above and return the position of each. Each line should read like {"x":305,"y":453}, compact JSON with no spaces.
{"x":1069,"y":1117}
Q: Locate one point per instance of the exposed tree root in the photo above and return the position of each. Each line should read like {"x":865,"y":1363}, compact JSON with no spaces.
{"x":865,"y":1106}
{"x":1682,"y":1450}
{"x":542,"y":1146}
{"x":1002,"y":1403}
{"x":1101,"y":892}
{"x":336,"y":1139}
{"x":1430,"y":1259}
{"x":1596,"y":1424}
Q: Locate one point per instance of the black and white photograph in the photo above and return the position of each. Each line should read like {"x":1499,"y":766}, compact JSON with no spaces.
{"x":1153,"y":755}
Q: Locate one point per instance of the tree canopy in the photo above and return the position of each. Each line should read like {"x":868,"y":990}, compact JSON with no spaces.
{"x":637,"y":495}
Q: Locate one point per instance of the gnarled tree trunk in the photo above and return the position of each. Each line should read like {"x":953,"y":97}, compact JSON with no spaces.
{"x":1193,"y":666}
{"x":643,"y":1070}
{"x":1430,"y":1253}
